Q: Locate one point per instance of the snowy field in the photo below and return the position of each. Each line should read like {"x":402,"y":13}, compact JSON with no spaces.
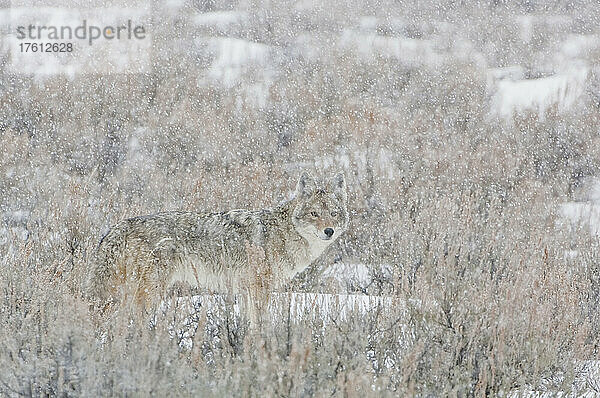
{"x":326,"y":308}
{"x":469,"y":135}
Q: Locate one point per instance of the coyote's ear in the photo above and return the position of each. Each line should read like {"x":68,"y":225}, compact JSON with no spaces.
{"x":338,"y":184}
{"x":306,"y":185}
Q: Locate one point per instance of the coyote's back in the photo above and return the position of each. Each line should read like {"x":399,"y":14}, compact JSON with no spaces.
{"x":140,"y":257}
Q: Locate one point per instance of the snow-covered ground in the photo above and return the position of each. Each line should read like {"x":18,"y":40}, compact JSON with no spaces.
{"x":584,"y":215}
{"x":232,"y":57}
{"x":511,"y":92}
{"x":538,"y":95}
{"x":221,"y":21}
{"x":414,"y":52}
{"x":586,"y":384}
{"x":325,"y":307}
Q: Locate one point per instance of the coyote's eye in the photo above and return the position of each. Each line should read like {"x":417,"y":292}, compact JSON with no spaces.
{"x":314,"y":214}
{"x":333,"y":214}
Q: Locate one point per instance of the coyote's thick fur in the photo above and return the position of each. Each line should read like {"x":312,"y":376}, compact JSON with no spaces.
{"x":141,"y":257}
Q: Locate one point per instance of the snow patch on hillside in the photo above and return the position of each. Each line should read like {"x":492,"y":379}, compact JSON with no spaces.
{"x":582,"y":215}
{"x":415,"y":52}
{"x":538,"y":95}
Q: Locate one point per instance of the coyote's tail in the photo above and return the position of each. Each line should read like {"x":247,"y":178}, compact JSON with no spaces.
{"x":98,"y":283}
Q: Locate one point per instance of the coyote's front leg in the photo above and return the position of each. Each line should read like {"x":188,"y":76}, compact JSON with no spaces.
{"x":259,"y":280}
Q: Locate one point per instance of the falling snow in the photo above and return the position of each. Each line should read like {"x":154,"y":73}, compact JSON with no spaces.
{"x":469,"y":136}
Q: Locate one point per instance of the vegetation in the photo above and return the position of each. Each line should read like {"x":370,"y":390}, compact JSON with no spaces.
{"x":455,"y":210}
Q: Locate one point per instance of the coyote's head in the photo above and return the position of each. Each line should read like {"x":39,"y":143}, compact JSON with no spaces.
{"x":321,"y":213}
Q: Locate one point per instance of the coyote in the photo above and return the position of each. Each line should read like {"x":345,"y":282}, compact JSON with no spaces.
{"x":141,"y":257}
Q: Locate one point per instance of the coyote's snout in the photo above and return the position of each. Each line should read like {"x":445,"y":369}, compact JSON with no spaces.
{"x":140,"y":257}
